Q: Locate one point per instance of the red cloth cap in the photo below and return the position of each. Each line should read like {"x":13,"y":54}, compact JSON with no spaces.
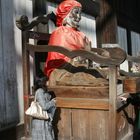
{"x":64,"y":8}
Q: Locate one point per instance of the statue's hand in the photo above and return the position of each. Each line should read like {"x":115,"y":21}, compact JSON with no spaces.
{"x":87,"y":44}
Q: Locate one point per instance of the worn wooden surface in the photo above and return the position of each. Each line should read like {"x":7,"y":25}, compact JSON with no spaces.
{"x":2,"y":99}
{"x":26,"y":79}
{"x":102,"y":104}
{"x":90,"y":124}
{"x":132,"y":85}
{"x":81,"y":92}
{"x":9,"y":113}
{"x":106,"y":23}
{"x":82,"y":124}
{"x":112,"y":59}
{"x":75,"y":111}
{"x":112,"y":102}
{"x":94,"y":128}
{"x":87,"y":117}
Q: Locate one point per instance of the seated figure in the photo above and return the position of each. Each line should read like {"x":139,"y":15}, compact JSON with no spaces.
{"x":60,"y":69}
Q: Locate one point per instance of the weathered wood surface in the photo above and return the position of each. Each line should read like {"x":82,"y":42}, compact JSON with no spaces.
{"x":89,"y":124}
{"x":81,"y":92}
{"x":105,"y":60}
{"x":9,"y":113}
{"x":112,"y":102}
{"x":95,"y":126}
{"x":132,"y":81}
{"x":100,"y":104}
{"x":106,"y":23}
{"x":26,"y":79}
{"x":2,"y":99}
{"x":62,"y":123}
{"x":77,"y":108}
{"x":132,"y":85}
{"x":133,"y":58}
{"x":81,"y":124}
{"x":24,"y":25}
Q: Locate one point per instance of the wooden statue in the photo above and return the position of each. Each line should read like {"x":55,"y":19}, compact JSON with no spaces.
{"x":62,"y":70}
{"x":86,"y":102}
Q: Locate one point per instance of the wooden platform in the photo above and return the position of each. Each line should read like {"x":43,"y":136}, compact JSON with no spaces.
{"x":132,"y":85}
{"x":83,"y":114}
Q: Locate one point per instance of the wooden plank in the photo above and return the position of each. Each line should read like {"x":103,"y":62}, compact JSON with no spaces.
{"x":62,"y":124}
{"x":101,"y":104}
{"x":80,"y":123}
{"x":112,"y":102}
{"x":89,"y":124}
{"x":81,"y":92}
{"x":131,"y":85}
{"x":26,"y":80}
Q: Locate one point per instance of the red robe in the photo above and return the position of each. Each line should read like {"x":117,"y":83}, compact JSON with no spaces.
{"x":67,"y":37}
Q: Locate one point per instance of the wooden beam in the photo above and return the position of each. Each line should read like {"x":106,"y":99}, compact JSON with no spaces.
{"x":26,"y":80}
{"x":106,"y":23}
{"x":81,"y":92}
{"x":83,"y":103}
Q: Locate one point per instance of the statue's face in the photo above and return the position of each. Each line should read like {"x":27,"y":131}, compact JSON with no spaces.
{"x":73,"y":18}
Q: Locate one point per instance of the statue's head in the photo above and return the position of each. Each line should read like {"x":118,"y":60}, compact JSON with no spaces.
{"x":69,"y":13}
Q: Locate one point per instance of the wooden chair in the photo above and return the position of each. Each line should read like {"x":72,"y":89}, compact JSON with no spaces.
{"x":84,"y":113}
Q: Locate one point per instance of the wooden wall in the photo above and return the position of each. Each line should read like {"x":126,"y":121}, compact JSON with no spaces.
{"x":9,"y":114}
{"x":11,"y":93}
{"x":22,"y":7}
{"x":2,"y":114}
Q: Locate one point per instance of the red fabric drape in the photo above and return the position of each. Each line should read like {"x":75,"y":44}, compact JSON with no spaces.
{"x":67,"y":37}
{"x":63,"y":36}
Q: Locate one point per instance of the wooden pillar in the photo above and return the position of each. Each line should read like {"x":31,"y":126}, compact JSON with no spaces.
{"x":39,"y":7}
{"x":106,"y":23}
{"x":112,"y":102}
{"x":26,"y":80}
